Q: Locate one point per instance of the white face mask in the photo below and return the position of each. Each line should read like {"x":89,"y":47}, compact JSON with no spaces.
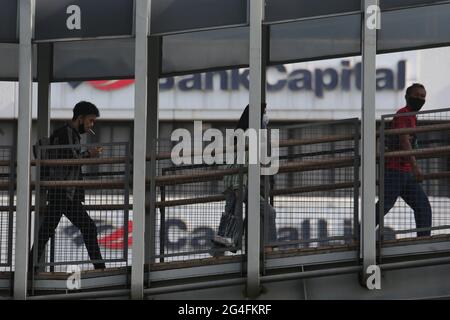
{"x":265,"y":120}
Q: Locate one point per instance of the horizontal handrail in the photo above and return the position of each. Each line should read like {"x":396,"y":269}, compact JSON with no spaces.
{"x":420,"y":153}
{"x":197,"y":177}
{"x":221,"y":197}
{"x":283,"y":143}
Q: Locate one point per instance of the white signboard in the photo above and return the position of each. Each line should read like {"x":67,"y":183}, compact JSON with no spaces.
{"x":322,"y":90}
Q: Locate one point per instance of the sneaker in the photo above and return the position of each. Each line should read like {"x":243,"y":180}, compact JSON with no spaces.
{"x":217,"y":251}
{"x":222,"y":241}
{"x":99,"y":266}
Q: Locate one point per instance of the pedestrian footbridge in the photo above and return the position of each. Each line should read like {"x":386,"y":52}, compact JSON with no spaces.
{"x":155,"y":219}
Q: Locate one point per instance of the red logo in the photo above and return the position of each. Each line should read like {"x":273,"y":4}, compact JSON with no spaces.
{"x":116,"y":239}
{"x":110,"y":85}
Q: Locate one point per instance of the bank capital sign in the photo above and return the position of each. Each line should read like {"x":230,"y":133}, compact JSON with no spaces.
{"x":345,"y":76}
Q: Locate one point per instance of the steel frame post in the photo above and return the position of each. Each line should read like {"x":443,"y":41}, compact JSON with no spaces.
{"x":254,"y":179}
{"x":369,"y":50}
{"x":26,"y":9}
{"x":140,"y":145}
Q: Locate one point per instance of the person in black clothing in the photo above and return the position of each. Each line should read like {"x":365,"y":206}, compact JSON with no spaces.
{"x":229,"y":234}
{"x":69,"y":200}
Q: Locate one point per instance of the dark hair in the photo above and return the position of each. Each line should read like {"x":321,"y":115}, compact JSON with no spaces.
{"x":84,"y":108}
{"x":412,"y":87}
{"x":243,"y":122}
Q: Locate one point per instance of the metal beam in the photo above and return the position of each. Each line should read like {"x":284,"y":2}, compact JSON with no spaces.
{"x":44,"y":75}
{"x":289,"y":276}
{"x":154,"y":67}
{"x":369,"y":46}
{"x":265,"y":53}
{"x":23,"y":148}
{"x":253,"y":219}
{"x":140,"y":144}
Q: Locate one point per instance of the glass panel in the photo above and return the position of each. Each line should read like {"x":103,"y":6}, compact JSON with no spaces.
{"x":8,"y":21}
{"x":391,"y":4}
{"x":280,"y":10}
{"x":9,"y":62}
{"x":313,"y":39}
{"x":208,"y":49}
{"x":182,"y":15}
{"x":415,"y":28}
{"x":94,"y":59}
{"x":66,"y":19}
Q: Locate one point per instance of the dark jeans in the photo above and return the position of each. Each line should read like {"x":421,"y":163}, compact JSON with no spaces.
{"x":75,"y":212}
{"x":403,"y":184}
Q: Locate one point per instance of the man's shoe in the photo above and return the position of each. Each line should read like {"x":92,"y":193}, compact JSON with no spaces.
{"x":98,"y":266}
{"x":222,"y":241}
{"x":216,"y":252}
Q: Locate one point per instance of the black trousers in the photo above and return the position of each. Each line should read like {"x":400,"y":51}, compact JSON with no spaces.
{"x":78,"y":216}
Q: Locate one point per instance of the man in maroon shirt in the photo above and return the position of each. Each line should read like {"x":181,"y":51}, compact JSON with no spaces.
{"x":402,"y":174}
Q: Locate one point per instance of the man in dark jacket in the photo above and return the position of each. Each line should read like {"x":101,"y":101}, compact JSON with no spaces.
{"x":69,"y":200}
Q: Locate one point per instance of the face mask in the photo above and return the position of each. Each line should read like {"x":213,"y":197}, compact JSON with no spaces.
{"x":415,"y":103}
{"x":265,"y":121}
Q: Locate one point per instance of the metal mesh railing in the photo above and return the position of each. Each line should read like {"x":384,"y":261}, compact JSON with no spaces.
{"x":317,"y":202}
{"x":190,"y":205}
{"x":83,"y":207}
{"x":7,"y":178}
{"x":314,"y":195}
{"x":414,"y":202}
{"x":313,"y":200}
